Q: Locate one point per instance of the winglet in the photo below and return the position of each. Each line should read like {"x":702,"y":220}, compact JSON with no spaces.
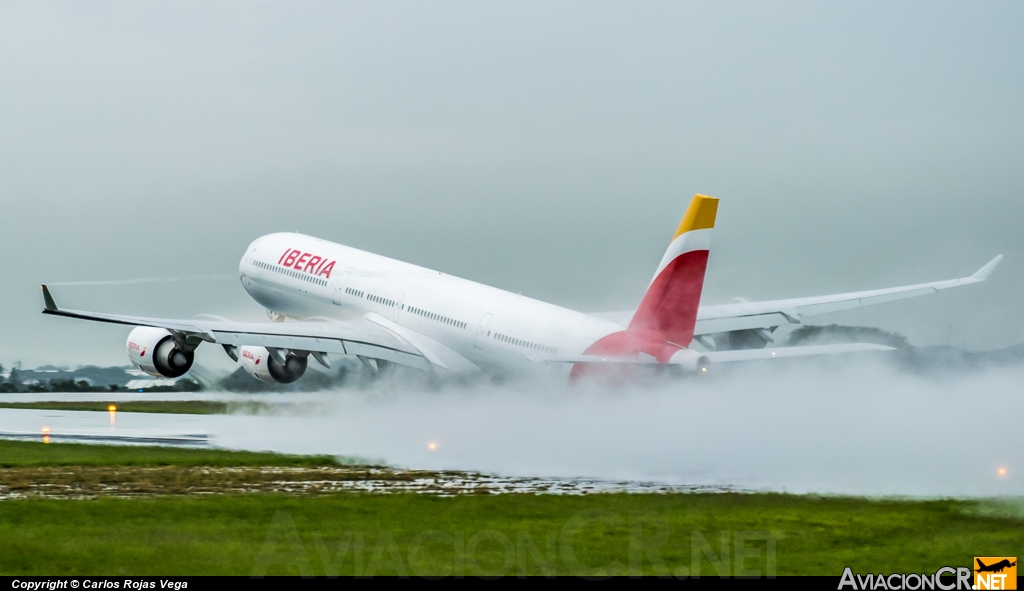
{"x":985,"y":271}
{"x":51,"y":306}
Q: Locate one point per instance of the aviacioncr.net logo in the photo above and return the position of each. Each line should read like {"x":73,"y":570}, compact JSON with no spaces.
{"x":946,"y":578}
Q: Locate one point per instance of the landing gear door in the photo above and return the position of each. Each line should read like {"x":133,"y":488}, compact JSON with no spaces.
{"x":339,"y":288}
{"x":481,"y":330}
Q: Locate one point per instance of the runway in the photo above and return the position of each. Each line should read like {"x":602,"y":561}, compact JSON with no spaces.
{"x":257,"y":433}
{"x":859,"y":429}
{"x":123,"y":396}
{"x":99,"y":427}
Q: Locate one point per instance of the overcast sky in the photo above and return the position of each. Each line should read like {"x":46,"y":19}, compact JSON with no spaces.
{"x":548,"y":147}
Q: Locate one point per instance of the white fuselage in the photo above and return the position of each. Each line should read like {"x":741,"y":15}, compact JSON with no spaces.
{"x":490,"y":327}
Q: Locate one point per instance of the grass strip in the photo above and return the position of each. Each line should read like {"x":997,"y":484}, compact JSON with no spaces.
{"x":30,"y":453}
{"x":680,"y":534}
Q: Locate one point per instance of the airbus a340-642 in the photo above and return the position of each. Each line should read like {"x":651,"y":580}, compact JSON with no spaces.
{"x":326,"y":299}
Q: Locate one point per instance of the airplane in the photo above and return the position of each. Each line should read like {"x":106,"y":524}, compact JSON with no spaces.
{"x":327,"y":299}
{"x":994,"y":568}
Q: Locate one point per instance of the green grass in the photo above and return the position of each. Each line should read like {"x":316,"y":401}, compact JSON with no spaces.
{"x":489,"y":534}
{"x":192,"y":407}
{"x":473,"y":534}
{"x":27,"y":453}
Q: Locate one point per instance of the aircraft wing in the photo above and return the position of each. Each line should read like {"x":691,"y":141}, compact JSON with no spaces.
{"x":356,"y":337}
{"x":768,"y":314}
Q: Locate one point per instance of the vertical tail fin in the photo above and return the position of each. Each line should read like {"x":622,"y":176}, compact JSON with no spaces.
{"x":670,"y":304}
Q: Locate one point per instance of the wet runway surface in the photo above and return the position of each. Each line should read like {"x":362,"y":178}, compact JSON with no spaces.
{"x":860,"y":430}
{"x":100,"y":427}
{"x":240,"y":432}
{"x":123,"y":396}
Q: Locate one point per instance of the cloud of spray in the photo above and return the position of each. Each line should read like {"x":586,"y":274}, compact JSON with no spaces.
{"x":857,"y":427}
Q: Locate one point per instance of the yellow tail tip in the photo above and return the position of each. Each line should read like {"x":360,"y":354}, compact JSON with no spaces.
{"x":700,"y":215}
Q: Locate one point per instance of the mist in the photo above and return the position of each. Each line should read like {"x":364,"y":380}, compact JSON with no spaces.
{"x":854,"y":427}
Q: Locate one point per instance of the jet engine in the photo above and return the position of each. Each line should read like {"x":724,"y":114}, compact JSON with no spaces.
{"x":690,"y":360}
{"x":154,"y":351}
{"x":264,"y":366}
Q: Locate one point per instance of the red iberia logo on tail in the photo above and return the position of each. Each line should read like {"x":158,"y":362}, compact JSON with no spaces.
{"x":670,"y":305}
{"x":663,"y":324}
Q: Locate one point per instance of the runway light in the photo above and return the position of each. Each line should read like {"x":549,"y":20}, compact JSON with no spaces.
{"x":1001,"y":471}
{"x":112,"y":408}
{"x":46,"y":435}
{"x":46,"y":430}
{"x":703,"y":369}
{"x":432,"y":446}
{"x":46,"y":439}
{"x":113,"y":412}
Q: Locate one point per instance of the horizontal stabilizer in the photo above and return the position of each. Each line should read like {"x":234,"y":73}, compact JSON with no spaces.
{"x":780,"y":352}
{"x":718,"y":356}
{"x":594,"y":359}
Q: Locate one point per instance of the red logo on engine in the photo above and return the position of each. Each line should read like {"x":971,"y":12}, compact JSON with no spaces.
{"x":306,"y":262}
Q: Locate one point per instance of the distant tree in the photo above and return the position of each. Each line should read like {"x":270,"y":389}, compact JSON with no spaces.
{"x":1,"y":368}
{"x":14,"y":378}
{"x":187,"y":386}
{"x":70,"y":385}
{"x":240,"y":381}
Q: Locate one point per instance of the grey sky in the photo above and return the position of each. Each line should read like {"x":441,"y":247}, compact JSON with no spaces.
{"x":543,"y":147}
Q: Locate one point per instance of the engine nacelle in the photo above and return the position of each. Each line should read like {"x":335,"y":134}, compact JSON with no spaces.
{"x":264,"y":367}
{"x":154,"y":351}
{"x":690,"y":360}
